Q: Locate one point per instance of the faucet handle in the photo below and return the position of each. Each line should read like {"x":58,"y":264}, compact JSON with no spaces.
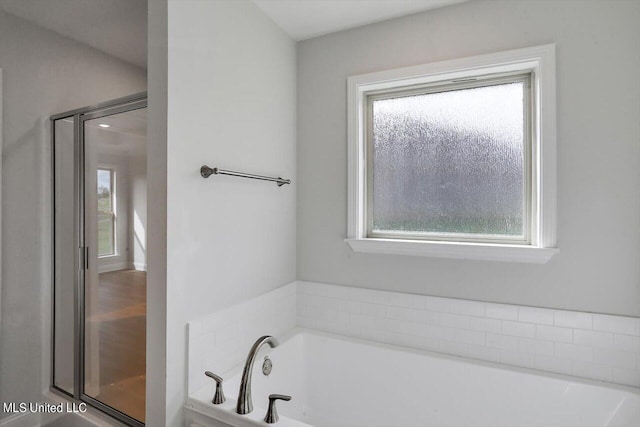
{"x":218,"y":398}
{"x":272,"y":414}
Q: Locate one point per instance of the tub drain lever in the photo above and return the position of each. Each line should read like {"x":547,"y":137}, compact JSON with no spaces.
{"x":218,"y":398}
{"x":272,"y":414}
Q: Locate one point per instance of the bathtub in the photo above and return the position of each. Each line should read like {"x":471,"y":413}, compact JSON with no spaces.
{"x":344,"y":382}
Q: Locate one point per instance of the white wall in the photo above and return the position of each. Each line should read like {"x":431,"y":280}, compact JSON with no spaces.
{"x":44,"y":74}
{"x":137,"y":233}
{"x":232,"y":104}
{"x":598,"y":266}
{"x":156,"y":392}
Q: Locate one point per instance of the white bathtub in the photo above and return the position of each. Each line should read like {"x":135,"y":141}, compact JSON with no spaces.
{"x":344,"y":382}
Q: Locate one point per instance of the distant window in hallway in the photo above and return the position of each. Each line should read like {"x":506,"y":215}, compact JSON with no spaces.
{"x":106,"y":213}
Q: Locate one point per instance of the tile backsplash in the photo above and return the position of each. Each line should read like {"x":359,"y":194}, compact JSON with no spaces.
{"x":588,"y":345}
{"x":220,"y":341}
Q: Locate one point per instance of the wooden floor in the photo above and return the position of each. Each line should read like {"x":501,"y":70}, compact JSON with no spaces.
{"x":121,"y":318}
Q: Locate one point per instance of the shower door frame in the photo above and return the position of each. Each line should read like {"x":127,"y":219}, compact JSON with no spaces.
{"x":81,"y":261}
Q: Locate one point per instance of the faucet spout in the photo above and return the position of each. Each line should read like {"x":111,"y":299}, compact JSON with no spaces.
{"x":245,"y":405}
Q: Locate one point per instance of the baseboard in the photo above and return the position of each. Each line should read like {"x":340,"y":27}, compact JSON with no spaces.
{"x":122,"y":265}
{"x":107,"y":268}
{"x":139,"y":266}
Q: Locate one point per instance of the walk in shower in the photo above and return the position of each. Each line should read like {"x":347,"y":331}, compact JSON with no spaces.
{"x":99,"y":259}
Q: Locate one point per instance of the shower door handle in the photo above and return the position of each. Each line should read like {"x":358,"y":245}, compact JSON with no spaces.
{"x":84,"y":258}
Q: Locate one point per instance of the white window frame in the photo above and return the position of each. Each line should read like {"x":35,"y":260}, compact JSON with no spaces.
{"x":112,"y":175}
{"x":540,"y":62}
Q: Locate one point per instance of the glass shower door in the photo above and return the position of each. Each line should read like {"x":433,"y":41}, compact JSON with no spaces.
{"x":115,"y":272}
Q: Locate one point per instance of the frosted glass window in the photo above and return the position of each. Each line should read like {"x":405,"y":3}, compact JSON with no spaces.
{"x":448,"y":162}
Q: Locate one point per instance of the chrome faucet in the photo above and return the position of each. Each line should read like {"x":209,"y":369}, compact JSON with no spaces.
{"x":244,"y":397}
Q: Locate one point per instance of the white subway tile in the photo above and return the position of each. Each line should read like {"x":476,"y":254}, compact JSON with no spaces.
{"x":375,"y":334}
{"x":470,"y":308}
{"x":310,"y":311}
{"x":321,"y":301}
{"x":412,"y":301}
{"x":518,"y":329}
{"x":413,"y":328}
{"x":617,"y":324}
{"x":431,"y":344}
{"x":573,"y":352}
{"x":387,"y":298}
{"x":361,"y":295}
{"x":408,"y":340}
{"x":197,"y":380}
{"x":408,"y":314}
{"x":349,"y":329}
{"x":334,"y":327}
{"x":392,"y":325}
{"x":320,"y":313}
{"x":361,"y":319}
{"x":454,"y":320}
{"x":438,"y":304}
{"x":300,"y":310}
{"x":526,"y":360}
{"x":592,"y":370}
{"x":306,"y":322}
{"x":504,"y":342}
{"x":349,"y":306}
{"x":484,"y":353}
{"x":593,"y":338}
{"x":554,"y":333}
{"x":616,"y":358}
{"x":501,"y":311}
{"x":455,"y":306}
{"x":432,"y":317}
{"x":373,"y":309}
{"x":226,"y":334}
{"x":600,"y":347}
{"x":454,"y":348}
{"x":469,"y":337}
{"x":485,"y":325}
{"x":627,"y":343}
{"x":337,"y":317}
{"x":305,"y":299}
{"x":194,"y":329}
{"x":440,"y":332}
{"x":552,"y":364}
{"x":534,"y":346}
{"x":626,"y":376}
{"x":541,"y":316}
{"x":573,"y":319}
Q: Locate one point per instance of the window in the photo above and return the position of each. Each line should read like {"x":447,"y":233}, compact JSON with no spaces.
{"x":455,"y":159}
{"x":106,"y":213}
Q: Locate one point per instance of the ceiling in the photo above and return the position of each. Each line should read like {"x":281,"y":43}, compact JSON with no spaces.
{"x":117,"y":27}
{"x":304,"y":19}
{"x":126,"y":134}
{"x":131,"y":122}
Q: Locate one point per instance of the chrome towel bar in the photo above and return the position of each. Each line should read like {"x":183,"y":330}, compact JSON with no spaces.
{"x":206,"y":172}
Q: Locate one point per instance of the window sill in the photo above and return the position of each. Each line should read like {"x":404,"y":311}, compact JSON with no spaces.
{"x":475,"y":251}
